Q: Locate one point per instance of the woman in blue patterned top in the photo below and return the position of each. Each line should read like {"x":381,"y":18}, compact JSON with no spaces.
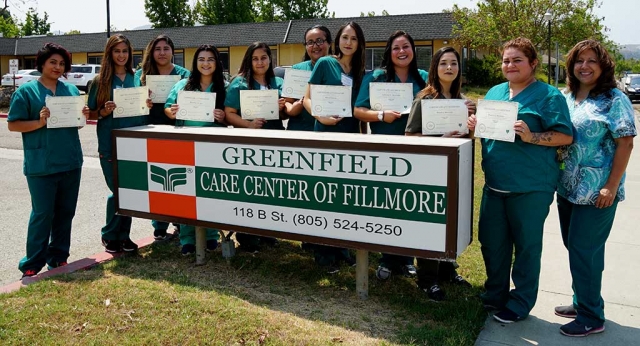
{"x":592,"y":181}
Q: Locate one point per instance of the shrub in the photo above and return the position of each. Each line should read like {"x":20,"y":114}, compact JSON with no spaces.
{"x":484,"y":72}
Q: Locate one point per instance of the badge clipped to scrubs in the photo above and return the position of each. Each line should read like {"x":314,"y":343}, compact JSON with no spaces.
{"x":346,"y":80}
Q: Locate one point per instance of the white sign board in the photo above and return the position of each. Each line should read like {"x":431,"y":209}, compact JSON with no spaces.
{"x":13,"y":66}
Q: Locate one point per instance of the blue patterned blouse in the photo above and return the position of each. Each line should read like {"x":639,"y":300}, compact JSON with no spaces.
{"x":597,"y":121}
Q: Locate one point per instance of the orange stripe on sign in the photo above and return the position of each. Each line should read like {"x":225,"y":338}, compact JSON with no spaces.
{"x":171,"y":151}
{"x":173,"y":205}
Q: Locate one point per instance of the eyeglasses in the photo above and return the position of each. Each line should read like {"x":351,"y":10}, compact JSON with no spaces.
{"x":317,"y":42}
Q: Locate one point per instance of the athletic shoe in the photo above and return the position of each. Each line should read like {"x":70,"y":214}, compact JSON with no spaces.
{"x":212,"y":245}
{"x":188,"y":249}
{"x":29,"y":273}
{"x":383,"y":273}
{"x":160,"y":234}
{"x":332,"y":269}
{"x":129,"y":246}
{"x":56,"y":265}
{"x":409,"y":271}
{"x":507,"y":316}
{"x":459,"y":280}
{"x":112,"y":246}
{"x":567,"y":311}
{"x":435,"y":293}
{"x":575,"y":328}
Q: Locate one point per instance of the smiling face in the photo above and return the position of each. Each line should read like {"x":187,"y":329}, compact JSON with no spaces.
{"x":401,"y":52}
{"x":260,"y":62}
{"x":587,"y":69}
{"x":120,"y":54}
{"x":162,"y":53}
{"x":316,"y":51}
{"x":516,"y":67}
{"x":53,"y":67}
{"x":348,"y":41}
{"x":448,"y":68}
{"x":206,"y":63}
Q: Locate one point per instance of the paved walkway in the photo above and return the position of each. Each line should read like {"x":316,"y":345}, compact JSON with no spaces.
{"x":620,"y":287}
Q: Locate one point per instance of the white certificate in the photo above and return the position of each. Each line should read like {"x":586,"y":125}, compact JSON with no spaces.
{"x":196,"y":105}
{"x":495,"y":120}
{"x":130,"y":102}
{"x":391,"y":97}
{"x":160,"y":86}
{"x":441,"y":116}
{"x":331,"y":100}
{"x":65,"y":111}
{"x":259,"y":104}
{"x":295,"y":83}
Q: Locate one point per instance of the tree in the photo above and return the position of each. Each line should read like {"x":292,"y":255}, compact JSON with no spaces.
{"x":72,"y":32}
{"x":35,"y":25}
{"x":373,"y":13}
{"x":8,"y":26}
{"x":212,"y":12}
{"x":280,"y":10}
{"x":168,"y":13}
{"x":494,"y":22}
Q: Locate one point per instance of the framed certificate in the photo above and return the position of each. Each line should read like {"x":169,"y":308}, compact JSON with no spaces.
{"x":65,"y":111}
{"x":391,"y":97}
{"x":295,"y":83}
{"x":196,"y":105}
{"x":130,"y":102}
{"x":331,"y":100}
{"x":259,"y":104}
{"x":496,"y":119}
{"x":440,"y":116}
{"x":160,"y":86}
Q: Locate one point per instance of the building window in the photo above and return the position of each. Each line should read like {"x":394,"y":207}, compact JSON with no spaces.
{"x":96,"y":60}
{"x":178,"y":58}
{"x":29,"y":63}
{"x":224,"y":59}
{"x":373,"y":58}
{"x":137,"y":61}
{"x":274,"y":57}
{"x":423,"y":57}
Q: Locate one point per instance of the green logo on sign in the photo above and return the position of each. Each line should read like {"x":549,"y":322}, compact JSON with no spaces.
{"x":170,"y":178}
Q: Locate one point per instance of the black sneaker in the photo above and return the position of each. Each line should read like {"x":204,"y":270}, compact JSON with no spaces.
{"x":188,"y":249}
{"x":507,"y":316}
{"x":459,"y":280}
{"x":383,"y":273}
{"x":129,"y":246}
{"x":160,"y":234}
{"x":575,"y":328}
{"x":29,"y":273}
{"x":409,"y":271}
{"x":567,"y":311}
{"x":435,"y":293}
{"x":112,"y":246}
{"x":212,"y":245}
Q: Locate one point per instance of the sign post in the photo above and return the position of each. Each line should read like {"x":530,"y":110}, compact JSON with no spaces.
{"x":13,"y":69}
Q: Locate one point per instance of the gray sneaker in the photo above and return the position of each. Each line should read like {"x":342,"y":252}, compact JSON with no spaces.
{"x":383,"y":273}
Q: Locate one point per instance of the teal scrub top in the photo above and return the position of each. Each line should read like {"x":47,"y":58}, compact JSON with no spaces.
{"x":379,"y":76}
{"x":233,"y":97}
{"x":524,"y":167}
{"x":108,"y":123}
{"x":303,"y":121}
{"x":328,"y":71}
{"x":46,"y":151}
{"x":173,"y":98}
{"x":156,"y":113}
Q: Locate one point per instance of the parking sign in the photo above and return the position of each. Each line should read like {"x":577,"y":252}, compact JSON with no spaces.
{"x":13,"y":66}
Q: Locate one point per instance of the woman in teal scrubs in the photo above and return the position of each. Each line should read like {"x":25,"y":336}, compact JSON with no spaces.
{"x":445,"y":82}
{"x":592,"y":181}
{"x":317,"y":42}
{"x":206,"y":76}
{"x":256,"y":73}
{"x":398,"y":66}
{"x":520,"y":180}
{"x":157,"y":60}
{"x":52,"y":162}
{"x":116,"y":72}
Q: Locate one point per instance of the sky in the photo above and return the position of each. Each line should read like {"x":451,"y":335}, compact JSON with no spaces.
{"x":90,"y":15}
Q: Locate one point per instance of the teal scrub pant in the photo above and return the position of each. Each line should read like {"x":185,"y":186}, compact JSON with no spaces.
{"x":395,"y":262}
{"x":585,"y":230}
{"x":161,"y":225}
{"x":325,"y":255}
{"x":117,"y":227}
{"x":188,"y":234}
{"x":53,"y":205}
{"x":509,"y":220}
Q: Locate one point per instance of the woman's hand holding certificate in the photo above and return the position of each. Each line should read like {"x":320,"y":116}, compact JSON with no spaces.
{"x":391,"y":97}
{"x":65,"y":111}
{"x":259,"y":104}
{"x":160,"y":86}
{"x":196,"y":106}
{"x":295,"y":83}
{"x":331,"y":101}
{"x":130,"y":102}
{"x":496,"y":119}
{"x":440,"y":116}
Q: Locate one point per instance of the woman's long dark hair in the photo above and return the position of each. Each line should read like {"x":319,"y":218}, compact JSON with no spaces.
{"x":327,"y":37}
{"x":246,"y":68}
{"x":434,"y":88}
{"x":357,"y":61}
{"x":149,"y":65}
{"x":607,"y":79}
{"x":387,"y":62}
{"x":193,"y":83}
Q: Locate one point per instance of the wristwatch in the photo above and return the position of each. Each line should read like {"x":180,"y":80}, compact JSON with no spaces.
{"x":380,"y":115}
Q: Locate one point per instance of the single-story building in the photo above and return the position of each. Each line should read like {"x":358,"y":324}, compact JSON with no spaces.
{"x":430,"y":31}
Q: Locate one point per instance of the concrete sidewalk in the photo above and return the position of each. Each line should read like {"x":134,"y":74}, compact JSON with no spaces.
{"x":620,"y":282}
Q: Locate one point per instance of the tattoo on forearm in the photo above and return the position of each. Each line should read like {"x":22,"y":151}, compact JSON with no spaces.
{"x":538,"y":137}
